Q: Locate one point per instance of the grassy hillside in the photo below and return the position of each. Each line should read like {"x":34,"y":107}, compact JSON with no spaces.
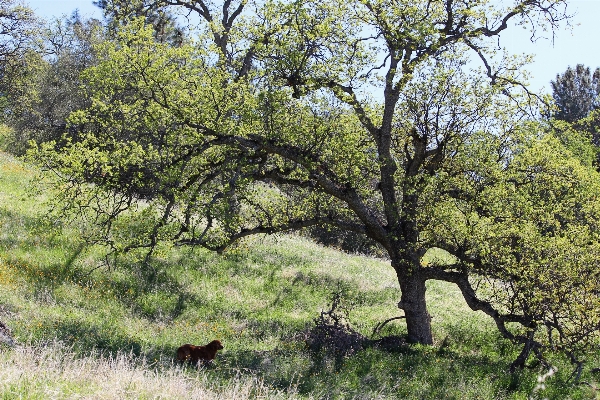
{"x":86,"y":330}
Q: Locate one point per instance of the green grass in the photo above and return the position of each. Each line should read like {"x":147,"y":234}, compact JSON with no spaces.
{"x":89,"y":331}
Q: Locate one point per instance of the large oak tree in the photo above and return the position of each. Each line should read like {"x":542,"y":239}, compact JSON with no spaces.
{"x":362,"y":116}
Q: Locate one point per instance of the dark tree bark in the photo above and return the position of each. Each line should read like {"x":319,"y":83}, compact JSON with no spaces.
{"x":414,"y":304}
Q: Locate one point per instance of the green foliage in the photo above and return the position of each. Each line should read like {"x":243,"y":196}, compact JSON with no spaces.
{"x":19,"y":29}
{"x":576,"y":121}
{"x":165,"y":24}
{"x":526,"y":226}
{"x":580,"y":138}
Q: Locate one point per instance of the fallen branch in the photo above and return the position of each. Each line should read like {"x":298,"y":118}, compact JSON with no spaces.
{"x":380,"y":325}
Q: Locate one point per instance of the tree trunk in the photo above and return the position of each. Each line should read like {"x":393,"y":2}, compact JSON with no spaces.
{"x":418,"y":320}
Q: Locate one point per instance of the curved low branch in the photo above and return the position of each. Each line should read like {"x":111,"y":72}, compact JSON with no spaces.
{"x":290,"y":226}
{"x":380,"y":325}
{"x":323,"y":178}
{"x":461,"y":279}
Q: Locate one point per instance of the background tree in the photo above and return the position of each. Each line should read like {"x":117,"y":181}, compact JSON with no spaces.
{"x":18,"y":27}
{"x":166,"y":27}
{"x":576,"y":93}
{"x":270,"y":122}
{"x":49,"y":88}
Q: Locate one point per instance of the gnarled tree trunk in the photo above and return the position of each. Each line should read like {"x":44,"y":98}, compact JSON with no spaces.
{"x":413,"y":302}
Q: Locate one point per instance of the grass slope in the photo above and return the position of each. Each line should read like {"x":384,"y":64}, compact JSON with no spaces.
{"x":88,"y":331}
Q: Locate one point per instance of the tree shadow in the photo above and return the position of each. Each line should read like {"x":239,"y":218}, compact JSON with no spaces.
{"x":134,"y":287}
{"x":86,"y":337}
{"x":20,"y":230}
{"x":372,"y":368}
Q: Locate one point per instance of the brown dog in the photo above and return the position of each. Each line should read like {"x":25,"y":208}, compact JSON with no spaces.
{"x":189,"y":352}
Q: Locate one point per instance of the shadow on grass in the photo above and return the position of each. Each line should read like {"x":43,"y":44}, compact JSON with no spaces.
{"x":85,"y":337}
{"x":24,"y":231}
{"x":373,"y":371}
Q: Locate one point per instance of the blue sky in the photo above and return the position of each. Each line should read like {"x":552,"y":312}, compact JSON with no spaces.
{"x":581,"y":46}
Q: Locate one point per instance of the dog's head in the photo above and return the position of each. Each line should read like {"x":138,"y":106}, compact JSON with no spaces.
{"x":215,"y":344}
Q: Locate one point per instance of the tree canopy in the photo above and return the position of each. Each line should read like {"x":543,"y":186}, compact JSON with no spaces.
{"x":576,"y":118}
{"x":359,"y":116}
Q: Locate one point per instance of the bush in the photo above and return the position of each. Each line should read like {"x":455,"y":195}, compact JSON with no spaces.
{"x":332,"y":332}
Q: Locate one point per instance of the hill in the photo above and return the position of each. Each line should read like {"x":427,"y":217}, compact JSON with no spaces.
{"x":91,"y":327}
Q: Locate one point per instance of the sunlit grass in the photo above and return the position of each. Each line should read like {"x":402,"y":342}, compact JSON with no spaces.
{"x":56,"y":371}
{"x":90,"y":331}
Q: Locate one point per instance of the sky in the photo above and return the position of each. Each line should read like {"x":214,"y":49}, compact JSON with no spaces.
{"x":579,"y":46}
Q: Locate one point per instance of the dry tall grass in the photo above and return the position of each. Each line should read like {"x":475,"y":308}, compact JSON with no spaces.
{"x":54,"y":371}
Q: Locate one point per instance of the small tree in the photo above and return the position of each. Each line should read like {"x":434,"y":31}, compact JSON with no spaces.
{"x":268,"y":122}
